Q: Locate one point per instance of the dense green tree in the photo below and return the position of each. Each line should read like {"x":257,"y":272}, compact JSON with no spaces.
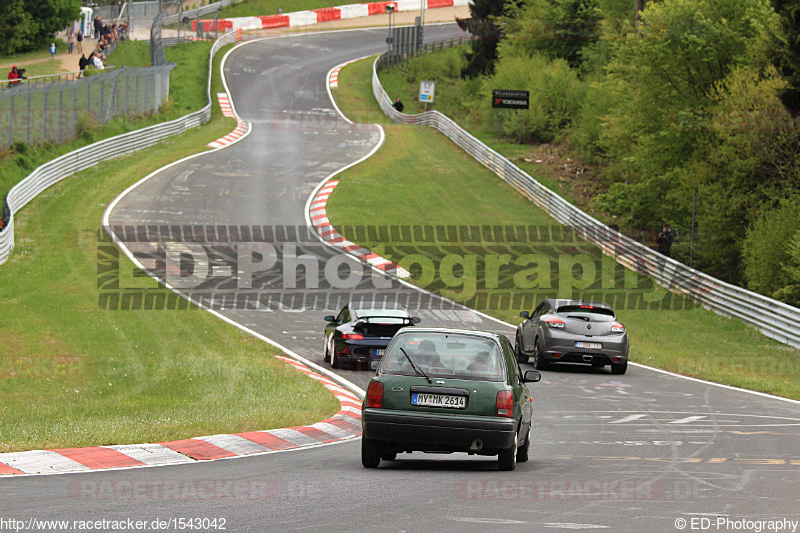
{"x":484,"y":25}
{"x":30,"y":24}
{"x":786,"y":50}
{"x":555,"y":28}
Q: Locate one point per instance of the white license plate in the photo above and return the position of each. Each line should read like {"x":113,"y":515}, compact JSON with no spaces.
{"x":438,"y":400}
{"x":380,"y":352}
{"x":594,"y":345}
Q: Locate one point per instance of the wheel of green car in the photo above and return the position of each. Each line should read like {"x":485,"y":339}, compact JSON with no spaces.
{"x":507,"y":459}
{"x":370,"y":454}
{"x":620,"y":368}
{"x":388,"y":455}
{"x":522,"y":451}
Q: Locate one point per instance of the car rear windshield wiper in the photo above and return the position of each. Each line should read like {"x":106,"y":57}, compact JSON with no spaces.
{"x":417,"y":369}
{"x":585,"y":318}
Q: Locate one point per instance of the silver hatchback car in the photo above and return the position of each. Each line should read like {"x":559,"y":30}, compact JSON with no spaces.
{"x":572,"y":331}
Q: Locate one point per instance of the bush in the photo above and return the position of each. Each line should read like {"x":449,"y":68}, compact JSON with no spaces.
{"x":556,"y":93}
{"x":771,"y":256}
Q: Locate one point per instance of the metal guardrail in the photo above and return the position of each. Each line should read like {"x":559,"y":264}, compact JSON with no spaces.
{"x":774,"y":319}
{"x":200,"y":11}
{"x":56,"y":170}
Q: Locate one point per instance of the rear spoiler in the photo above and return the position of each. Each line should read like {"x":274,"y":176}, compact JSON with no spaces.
{"x":406,"y":319}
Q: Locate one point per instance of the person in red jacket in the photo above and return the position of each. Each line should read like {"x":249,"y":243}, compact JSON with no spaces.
{"x":13,"y":76}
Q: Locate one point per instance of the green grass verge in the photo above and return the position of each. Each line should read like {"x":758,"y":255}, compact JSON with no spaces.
{"x":72,"y":374}
{"x":21,"y":59}
{"x":419,"y":177}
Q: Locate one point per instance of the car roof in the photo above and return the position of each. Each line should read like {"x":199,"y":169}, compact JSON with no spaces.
{"x":556,"y":303}
{"x":452,"y":331}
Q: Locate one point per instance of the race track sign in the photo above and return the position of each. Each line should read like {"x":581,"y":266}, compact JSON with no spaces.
{"x":510,"y":99}
{"x":426,"y":91}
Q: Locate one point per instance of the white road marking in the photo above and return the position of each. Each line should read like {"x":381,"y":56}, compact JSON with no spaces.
{"x":688,"y":419}
{"x":629,"y":418}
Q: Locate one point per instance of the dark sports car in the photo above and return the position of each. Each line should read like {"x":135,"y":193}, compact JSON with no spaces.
{"x":572,"y":331}
{"x":362,"y":331}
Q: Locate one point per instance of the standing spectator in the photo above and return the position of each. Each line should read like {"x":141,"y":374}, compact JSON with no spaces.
{"x":70,"y":40}
{"x":79,"y":38}
{"x":399,"y":105}
{"x":97,"y":23}
{"x":52,"y":51}
{"x":665,"y":240}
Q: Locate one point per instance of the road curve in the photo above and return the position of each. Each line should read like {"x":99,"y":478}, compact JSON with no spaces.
{"x":624,"y":453}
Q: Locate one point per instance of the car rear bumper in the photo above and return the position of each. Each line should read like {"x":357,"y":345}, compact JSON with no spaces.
{"x":429,"y":432}
{"x":560,"y":347}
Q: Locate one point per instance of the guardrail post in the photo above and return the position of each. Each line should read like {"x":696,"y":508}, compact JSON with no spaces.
{"x":61,"y":114}
{"x":11,"y":122}
{"x":29,"y":113}
{"x":46,"y":92}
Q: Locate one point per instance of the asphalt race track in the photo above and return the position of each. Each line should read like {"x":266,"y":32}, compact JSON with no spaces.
{"x":638,"y":452}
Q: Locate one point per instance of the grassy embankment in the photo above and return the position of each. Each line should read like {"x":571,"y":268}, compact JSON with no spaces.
{"x":421,"y":178}
{"x":72,"y":374}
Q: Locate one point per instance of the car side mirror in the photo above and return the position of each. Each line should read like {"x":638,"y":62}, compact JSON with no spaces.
{"x":531,"y":376}
{"x":524,"y":314}
{"x":330,"y":318}
{"x":415,"y":320}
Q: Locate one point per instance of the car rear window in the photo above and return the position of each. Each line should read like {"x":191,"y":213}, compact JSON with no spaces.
{"x":587,"y":312}
{"x":444,"y":355}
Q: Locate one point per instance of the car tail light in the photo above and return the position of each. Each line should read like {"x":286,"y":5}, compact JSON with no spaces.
{"x":375,"y":394}
{"x":615,"y":359}
{"x":554,"y":323}
{"x":352,"y":336}
{"x":557,"y":355}
{"x":587,"y":307}
{"x":617,"y":328}
{"x":505,"y":404}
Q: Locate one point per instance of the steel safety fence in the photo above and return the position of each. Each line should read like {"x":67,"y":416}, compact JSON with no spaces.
{"x":56,"y":170}
{"x":774,"y":319}
{"x":55,"y":112}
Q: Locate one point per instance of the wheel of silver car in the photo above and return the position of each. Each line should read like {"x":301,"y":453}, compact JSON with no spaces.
{"x":620,"y":368}
{"x":538,"y":360}
{"x":507,"y":459}
{"x":521,"y":357}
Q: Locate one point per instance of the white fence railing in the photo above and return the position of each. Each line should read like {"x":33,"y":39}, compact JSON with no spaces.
{"x":773,"y":318}
{"x":56,"y":170}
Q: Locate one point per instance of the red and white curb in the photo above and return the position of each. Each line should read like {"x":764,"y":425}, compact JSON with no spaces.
{"x":345,"y":424}
{"x":333,"y":76}
{"x":319,"y":219}
{"x":242,"y":127}
{"x":304,"y":18}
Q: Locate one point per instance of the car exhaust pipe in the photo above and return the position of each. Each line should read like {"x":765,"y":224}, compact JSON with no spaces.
{"x":476,"y":445}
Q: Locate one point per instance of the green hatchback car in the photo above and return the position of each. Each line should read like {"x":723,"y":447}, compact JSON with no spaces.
{"x":448,"y":390}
